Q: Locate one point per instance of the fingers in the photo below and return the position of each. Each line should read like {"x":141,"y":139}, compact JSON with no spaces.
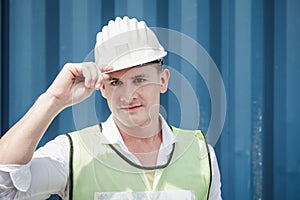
{"x":93,"y":75}
{"x":90,"y":74}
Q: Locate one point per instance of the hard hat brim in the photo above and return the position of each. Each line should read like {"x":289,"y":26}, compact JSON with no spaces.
{"x":135,"y":58}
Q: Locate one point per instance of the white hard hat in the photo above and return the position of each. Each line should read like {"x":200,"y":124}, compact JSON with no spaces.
{"x":125,"y":43}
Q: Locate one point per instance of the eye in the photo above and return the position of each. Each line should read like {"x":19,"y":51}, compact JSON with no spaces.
{"x":139,"y":80}
{"x":116,"y":82}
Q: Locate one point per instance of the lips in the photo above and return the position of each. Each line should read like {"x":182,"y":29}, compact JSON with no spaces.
{"x":131,"y":107}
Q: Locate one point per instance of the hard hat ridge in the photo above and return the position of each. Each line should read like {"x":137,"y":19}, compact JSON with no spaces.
{"x":125,"y":43}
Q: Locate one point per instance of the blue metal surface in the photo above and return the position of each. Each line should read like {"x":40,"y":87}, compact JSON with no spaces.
{"x":287,"y":104}
{"x":4,"y":58}
{"x":280,"y":78}
{"x":255,"y":45}
{"x":1,"y":67}
{"x":258,"y":59}
{"x":242,"y":99}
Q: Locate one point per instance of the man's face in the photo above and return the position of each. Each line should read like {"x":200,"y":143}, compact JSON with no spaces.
{"x":133,"y":94}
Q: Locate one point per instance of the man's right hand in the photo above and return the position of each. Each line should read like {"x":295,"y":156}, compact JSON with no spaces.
{"x":76,"y":82}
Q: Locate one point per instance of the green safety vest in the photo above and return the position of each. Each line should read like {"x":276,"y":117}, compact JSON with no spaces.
{"x":97,"y":167}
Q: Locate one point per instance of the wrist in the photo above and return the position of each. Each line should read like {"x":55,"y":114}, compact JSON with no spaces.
{"x":55,"y":105}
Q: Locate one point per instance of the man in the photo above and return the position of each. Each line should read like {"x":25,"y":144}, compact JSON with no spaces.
{"x":135,"y":154}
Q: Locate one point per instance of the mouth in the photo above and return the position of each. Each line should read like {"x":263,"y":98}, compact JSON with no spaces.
{"x":131,"y":107}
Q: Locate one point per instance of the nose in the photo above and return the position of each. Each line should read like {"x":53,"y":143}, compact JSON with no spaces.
{"x":128,"y":93}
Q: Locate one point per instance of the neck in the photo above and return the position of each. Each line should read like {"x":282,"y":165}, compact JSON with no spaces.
{"x":142,"y":139}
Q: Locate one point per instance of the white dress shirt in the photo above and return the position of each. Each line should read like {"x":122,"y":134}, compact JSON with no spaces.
{"x":48,"y":171}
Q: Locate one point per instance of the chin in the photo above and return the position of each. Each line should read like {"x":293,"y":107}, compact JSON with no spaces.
{"x":138,"y":123}
{"x":135,"y":121}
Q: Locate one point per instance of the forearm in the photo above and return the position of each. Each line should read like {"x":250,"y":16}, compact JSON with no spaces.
{"x":18,"y":144}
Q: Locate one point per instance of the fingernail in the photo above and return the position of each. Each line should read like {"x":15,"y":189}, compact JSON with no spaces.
{"x":97,"y":86}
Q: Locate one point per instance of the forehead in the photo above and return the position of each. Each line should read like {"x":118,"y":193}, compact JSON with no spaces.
{"x":135,"y":71}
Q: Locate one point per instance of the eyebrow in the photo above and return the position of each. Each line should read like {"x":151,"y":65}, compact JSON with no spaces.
{"x":134,"y":77}
{"x":139,"y":76}
{"x":112,"y":79}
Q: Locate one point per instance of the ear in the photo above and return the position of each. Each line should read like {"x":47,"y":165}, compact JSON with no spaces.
{"x":164,"y":80}
{"x":103,"y":91}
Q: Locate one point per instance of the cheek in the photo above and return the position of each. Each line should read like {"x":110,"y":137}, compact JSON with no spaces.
{"x":110,"y":95}
{"x":113,"y":97}
{"x":151,"y":93}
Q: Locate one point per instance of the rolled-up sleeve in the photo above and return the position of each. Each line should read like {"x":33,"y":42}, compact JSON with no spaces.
{"x":17,"y":175}
{"x":45,"y":174}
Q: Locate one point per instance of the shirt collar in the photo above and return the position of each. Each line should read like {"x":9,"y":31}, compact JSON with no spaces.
{"x":113,"y":136}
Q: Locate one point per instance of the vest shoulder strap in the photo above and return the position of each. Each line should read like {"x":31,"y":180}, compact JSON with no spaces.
{"x":70,"y":166}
